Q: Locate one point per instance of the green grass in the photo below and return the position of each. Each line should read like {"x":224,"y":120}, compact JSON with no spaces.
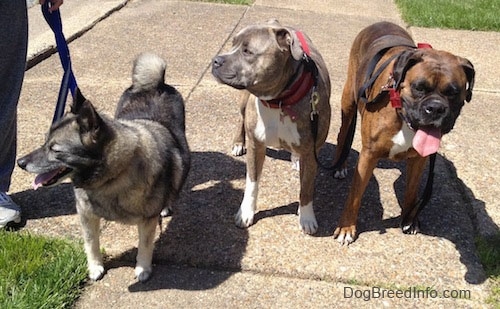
{"x":39,"y":272}
{"x":488,"y":250}
{"x":452,"y":14}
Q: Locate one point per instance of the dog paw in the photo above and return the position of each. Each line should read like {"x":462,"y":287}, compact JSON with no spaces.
{"x":143,"y":274}
{"x":412,"y":228}
{"x":244,"y":219}
{"x":166,"y":212}
{"x":295,"y":159}
{"x":96,"y":272}
{"x":238,"y":150}
{"x":340,"y":174}
{"x":345,"y":235}
{"x":307,"y":219}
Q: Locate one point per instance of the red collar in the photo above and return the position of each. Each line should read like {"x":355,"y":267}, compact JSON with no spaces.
{"x":293,"y":94}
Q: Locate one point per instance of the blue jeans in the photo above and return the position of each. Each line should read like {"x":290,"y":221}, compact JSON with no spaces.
{"x":13,"y":50}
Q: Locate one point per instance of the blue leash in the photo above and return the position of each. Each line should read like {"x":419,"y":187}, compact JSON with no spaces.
{"x":68,"y":81}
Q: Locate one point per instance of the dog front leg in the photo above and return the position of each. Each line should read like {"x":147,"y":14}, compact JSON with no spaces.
{"x":256,"y":154}
{"x":307,"y":219}
{"x":91,"y":232}
{"x":346,"y":231}
{"x":239,"y":137}
{"x":409,"y":219}
{"x":146,"y":229}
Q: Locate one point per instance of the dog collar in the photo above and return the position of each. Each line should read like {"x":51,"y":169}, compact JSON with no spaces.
{"x":293,"y":94}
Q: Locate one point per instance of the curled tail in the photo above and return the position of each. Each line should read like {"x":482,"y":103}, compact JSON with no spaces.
{"x":148,"y":72}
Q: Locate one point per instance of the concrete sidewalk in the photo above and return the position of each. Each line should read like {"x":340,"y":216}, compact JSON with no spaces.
{"x":201,"y":258}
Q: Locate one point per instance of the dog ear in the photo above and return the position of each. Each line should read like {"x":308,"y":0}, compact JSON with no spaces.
{"x":470,"y":73}
{"x":403,"y":63}
{"x":78,"y":101}
{"x":273,"y":21}
{"x":288,"y":40}
{"x":91,"y":124}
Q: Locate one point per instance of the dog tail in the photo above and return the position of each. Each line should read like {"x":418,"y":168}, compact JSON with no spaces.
{"x":148,"y":72}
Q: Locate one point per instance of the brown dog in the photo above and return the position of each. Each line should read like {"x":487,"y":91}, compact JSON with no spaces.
{"x":286,"y":82}
{"x":407,"y":97}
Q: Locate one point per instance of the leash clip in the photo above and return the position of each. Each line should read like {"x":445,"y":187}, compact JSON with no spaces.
{"x":389,"y":85}
{"x":314,"y":103}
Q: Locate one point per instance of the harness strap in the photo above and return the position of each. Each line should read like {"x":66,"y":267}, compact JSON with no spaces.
{"x":409,"y":217}
{"x":380,"y":47}
{"x":68,"y":82}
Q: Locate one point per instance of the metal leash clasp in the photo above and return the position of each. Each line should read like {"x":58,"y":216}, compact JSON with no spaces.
{"x":314,"y":103}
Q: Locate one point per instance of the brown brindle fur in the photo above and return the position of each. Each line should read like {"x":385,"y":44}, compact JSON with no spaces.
{"x":380,"y":121}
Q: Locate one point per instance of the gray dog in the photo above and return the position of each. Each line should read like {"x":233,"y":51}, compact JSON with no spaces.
{"x":286,"y":85}
{"x":128,"y":169}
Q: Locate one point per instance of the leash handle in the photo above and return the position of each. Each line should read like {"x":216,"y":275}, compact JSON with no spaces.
{"x":68,"y":82}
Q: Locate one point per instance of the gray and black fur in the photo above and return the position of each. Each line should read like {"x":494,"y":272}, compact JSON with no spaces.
{"x":126,"y":169}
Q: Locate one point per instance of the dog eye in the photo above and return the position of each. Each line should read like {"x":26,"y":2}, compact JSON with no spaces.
{"x":247,"y":52}
{"x":451,"y":91}
{"x":420,"y":88}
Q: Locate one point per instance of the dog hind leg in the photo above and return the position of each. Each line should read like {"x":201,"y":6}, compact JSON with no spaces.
{"x":147,"y":229}
{"x":349,"y":111}
{"x":239,"y":138}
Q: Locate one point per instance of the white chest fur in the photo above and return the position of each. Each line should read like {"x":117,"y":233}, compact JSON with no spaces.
{"x":402,"y":141}
{"x":275,"y":128}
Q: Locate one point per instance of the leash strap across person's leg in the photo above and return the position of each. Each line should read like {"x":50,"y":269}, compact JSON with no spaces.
{"x":68,"y":82}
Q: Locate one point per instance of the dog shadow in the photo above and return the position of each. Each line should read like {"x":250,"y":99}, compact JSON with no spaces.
{"x":443,"y":216}
{"x":42,"y":204}
{"x":200,"y":234}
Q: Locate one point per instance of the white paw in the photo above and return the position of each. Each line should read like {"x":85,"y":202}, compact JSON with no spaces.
{"x":345,"y":239}
{"x":295,"y":162}
{"x":345,"y":235}
{"x":340,"y":174}
{"x":238,"y":150}
{"x":143,"y":274}
{"x":307,"y":219}
{"x":412,"y":228}
{"x":244,"y":219}
{"x":96,"y":272}
{"x":165,"y":212}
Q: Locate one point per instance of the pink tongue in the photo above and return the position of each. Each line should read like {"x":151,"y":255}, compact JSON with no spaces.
{"x":43,"y":178}
{"x":427,"y":141}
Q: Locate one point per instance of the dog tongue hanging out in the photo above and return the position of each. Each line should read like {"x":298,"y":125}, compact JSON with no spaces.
{"x":427,"y":141}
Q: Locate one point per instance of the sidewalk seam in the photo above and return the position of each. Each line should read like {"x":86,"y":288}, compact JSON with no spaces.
{"x":209,"y":65}
{"x":46,"y":53}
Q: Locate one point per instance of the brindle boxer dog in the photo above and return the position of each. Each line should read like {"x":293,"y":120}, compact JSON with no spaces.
{"x":407,"y":97}
{"x":286,"y":82}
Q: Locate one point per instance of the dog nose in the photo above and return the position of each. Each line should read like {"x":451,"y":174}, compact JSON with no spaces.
{"x":22,"y":162}
{"x":218,"y":62}
{"x":434,"y":108}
